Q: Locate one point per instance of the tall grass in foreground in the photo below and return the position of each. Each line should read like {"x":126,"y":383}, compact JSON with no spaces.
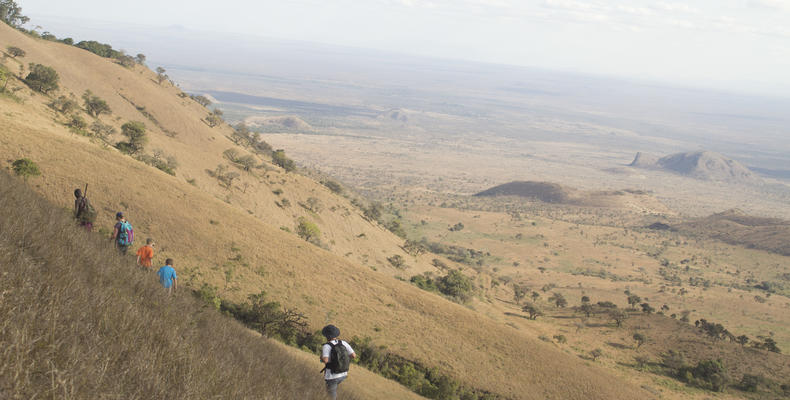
{"x":77,"y":321}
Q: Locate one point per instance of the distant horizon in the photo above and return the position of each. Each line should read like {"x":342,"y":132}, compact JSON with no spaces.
{"x":123,"y":28}
{"x":733,"y":46}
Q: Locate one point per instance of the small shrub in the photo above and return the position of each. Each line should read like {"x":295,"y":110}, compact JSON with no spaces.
{"x":277,"y":191}
{"x":64,"y":105}
{"x":750,"y":383}
{"x":561,"y":339}
{"x":25,"y":168}
{"x":333,"y":186}
{"x":595,"y":354}
{"x":77,"y":122}
{"x":102,"y":130}
{"x":94,"y":105}
{"x":397,"y":261}
{"x":15,"y":52}
{"x":308,"y":230}
{"x":209,"y":295}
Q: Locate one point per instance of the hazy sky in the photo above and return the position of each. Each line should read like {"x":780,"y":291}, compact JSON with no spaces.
{"x":733,"y":44}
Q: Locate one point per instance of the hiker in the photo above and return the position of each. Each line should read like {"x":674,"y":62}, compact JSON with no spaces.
{"x":167,"y":276}
{"x":145,"y":254}
{"x":122,"y":233}
{"x":336,"y":356}
{"x":83,"y":210}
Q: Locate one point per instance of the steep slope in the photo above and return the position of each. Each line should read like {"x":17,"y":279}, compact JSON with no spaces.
{"x":704,"y":165}
{"x":80,"y":322}
{"x":233,"y":238}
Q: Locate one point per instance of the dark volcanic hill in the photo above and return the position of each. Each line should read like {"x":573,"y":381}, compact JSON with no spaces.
{"x":704,"y":165}
{"x":544,"y":191}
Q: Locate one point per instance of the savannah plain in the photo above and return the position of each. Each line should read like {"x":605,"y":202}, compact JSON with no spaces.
{"x":424,"y":140}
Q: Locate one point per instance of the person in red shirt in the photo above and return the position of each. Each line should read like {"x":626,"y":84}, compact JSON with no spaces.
{"x":145,"y":254}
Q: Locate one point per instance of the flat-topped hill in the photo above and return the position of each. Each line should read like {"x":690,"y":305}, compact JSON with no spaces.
{"x":736,"y":227}
{"x":704,"y":165}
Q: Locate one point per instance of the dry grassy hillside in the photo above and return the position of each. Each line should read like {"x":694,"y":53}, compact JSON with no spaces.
{"x":232,"y":238}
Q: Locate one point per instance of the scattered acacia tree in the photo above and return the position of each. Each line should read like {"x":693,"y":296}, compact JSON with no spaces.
{"x":94,"y":105}
{"x":42,"y":78}
{"x":25,"y":168}
{"x":533,"y":310}
{"x":279,"y":159}
{"x":595,"y":354}
{"x":647,"y":308}
{"x":202,"y":100}
{"x":215,"y":118}
{"x":135,"y":132}
{"x":64,"y":105}
{"x":140,"y":58}
{"x":101,"y":130}
{"x":558,"y":299}
{"x":456,"y":285}
{"x":161,"y":76}
{"x":77,"y":122}
{"x":15,"y":52}
{"x":397,"y":261}
{"x":586,"y":308}
{"x":519,"y":292}
{"x":618,"y":316}
{"x":640,"y":339}
{"x":535,"y":296}
{"x":307,"y":230}
{"x":742,"y":340}
{"x":633,"y":300}
{"x":11,"y":14}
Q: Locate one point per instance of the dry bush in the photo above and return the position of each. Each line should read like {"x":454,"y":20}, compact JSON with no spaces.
{"x":80,"y":321}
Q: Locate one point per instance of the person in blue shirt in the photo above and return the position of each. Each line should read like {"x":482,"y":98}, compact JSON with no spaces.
{"x":167,"y":276}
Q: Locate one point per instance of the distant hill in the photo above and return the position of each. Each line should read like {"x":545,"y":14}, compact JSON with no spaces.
{"x":544,"y":191}
{"x":736,"y":227}
{"x":554,"y":193}
{"x":704,"y":165}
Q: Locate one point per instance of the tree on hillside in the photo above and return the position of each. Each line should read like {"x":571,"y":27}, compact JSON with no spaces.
{"x":15,"y":52}
{"x":202,"y":100}
{"x":279,"y":159}
{"x":558,"y":299}
{"x":533,"y":310}
{"x":135,"y":132}
{"x":457,"y":285}
{"x":647,"y":308}
{"x":633,"y":300}
{"x":535,"y":295}
{"x":11,"y":14}
{"x":742,"y":340}
{"x":160,"y":75}
{"x":64,"y":105}
{"x":585,"y":299}
{"x":640,"y":339}
{"x":100,"y":49}
{"x":618,"y":316}
{"x":42,"y":78}
{"x":140,"y":58}
{"x":595,"y":354}
{"x":586,"y":308}
{"x":215,"y":118}
{"x":519,"y":292}
{"x":94,"y":105}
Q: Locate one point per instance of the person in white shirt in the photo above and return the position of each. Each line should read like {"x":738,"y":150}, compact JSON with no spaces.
{"x":336,"y":355}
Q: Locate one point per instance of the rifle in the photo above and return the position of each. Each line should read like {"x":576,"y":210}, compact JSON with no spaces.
{"x":85,"y":193}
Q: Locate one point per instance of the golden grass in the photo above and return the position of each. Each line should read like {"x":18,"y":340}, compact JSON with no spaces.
{"x":80,"y":322}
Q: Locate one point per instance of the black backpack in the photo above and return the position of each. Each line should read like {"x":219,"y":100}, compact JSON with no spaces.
{"x":339,"y":359}
{"x":85,"y":211}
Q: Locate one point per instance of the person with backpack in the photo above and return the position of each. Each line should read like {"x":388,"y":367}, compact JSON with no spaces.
{"x":83,"y":210}
{"x":122,"y":233}
{"x":336,"y":355}
{"x":145,"y":254}
{"x":167,"y":276}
